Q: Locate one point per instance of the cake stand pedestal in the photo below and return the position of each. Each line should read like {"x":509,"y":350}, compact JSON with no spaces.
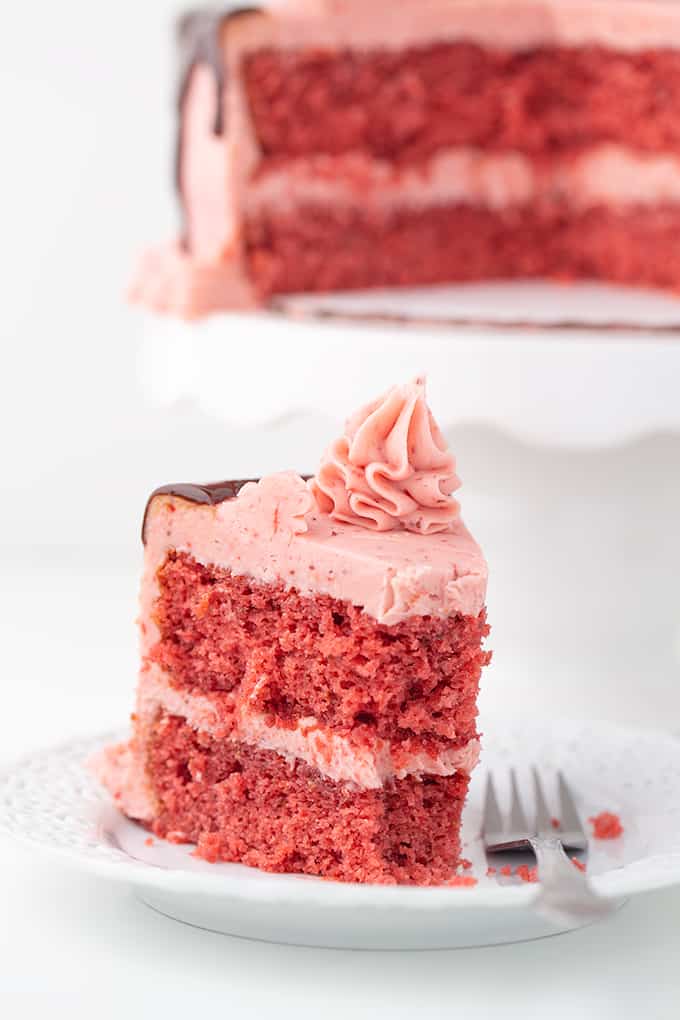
{"x":579,"y":366}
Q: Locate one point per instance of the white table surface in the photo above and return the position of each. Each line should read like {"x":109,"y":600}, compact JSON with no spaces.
{"x":78,"y":946}
{"x":71,"y":945}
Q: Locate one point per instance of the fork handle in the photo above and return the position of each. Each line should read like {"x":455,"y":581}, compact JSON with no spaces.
{"x":566,"y":892}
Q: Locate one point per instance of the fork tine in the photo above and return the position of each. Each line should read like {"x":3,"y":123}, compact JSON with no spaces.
{"x":492,"y":820}
{"x":571,"y":830}
{"x":518,"y":822}
{"x":543,"y":817}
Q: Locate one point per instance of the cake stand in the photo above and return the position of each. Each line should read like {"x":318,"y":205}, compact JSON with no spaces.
{"x":579,"y":366}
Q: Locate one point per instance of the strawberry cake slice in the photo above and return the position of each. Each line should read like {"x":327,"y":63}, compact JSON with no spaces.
{"x":311,"y":654}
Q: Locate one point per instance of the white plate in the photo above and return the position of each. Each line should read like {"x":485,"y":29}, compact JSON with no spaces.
{"x":49,"y":802}
{"x":518,"y":357}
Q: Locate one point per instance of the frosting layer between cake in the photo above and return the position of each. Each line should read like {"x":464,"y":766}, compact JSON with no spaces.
{"x":336,"y":757}
{"x":608,"y":173}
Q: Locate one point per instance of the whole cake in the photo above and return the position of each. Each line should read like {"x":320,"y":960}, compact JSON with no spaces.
{"x":311,"y":654}
{"x":334,"y":144}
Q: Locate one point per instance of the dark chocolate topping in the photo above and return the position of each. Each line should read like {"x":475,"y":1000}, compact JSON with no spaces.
{"x":198,"y":34}
{"x":210,"y":494}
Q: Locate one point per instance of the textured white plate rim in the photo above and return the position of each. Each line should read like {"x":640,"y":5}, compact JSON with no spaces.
{"x":244,"y":883}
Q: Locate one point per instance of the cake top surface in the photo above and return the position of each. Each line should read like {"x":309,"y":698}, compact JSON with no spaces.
{"x":377,"y":526}
{"x":623,"y":24}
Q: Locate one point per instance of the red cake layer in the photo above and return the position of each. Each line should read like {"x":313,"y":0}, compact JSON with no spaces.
{"x":406,"y":105}
{"x":251,"y":806}
{"x":325,"y":249}
{"x":296,"y":656}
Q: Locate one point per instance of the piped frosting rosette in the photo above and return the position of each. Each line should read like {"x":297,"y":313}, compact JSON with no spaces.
{"x":391,"y":468}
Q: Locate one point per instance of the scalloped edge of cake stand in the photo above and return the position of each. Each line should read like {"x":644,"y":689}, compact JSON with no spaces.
{"x":570,"y":388}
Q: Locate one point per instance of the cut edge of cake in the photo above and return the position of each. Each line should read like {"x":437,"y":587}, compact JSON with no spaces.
{"x":311,"y":654}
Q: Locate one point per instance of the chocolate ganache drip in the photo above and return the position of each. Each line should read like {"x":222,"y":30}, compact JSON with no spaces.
{"x":198,"y":35}
{"x":209,"y":494}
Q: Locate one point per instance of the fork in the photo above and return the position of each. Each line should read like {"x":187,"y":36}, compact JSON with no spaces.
{"x":565,"y":892}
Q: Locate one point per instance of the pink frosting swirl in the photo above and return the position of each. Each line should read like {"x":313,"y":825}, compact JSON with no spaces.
{"x":391,"y":469}
{"x":276,"y":505}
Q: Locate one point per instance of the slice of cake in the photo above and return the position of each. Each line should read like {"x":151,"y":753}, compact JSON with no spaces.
{"x":334,"y":144}
{"x":311,"y":654}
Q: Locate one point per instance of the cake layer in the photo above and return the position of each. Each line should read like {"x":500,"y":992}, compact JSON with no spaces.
{"x":238,"y":804}
{"x":404,"y":106}
{"x":289,"y":657}
{"x":357,"y":756}
{"x":325,"y":249}
{"x":605,"y":174}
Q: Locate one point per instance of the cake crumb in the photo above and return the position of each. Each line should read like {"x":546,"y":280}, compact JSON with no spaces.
{"x":526,"y":873}
{"x":176,"y":836}
{"x":148,"y":841}
{"x":462,"y":881}
{"x":555,"y":822}
{"x":606,"y":825}
{"x":523,"y":871}
{"x":578,"y":864}
{"x":465,"y":864}
{"x":208,"y":848}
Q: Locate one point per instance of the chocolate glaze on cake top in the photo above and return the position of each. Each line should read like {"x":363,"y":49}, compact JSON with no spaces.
{"x":209,"y":494}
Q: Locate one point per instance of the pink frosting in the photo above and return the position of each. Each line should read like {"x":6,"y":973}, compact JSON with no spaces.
{"x":169,"y":281}
{"x":120,"y":770}
{"x":607,"y":173}
{"x":391,"y":468}
{"x":279,"y":505}
{"x":627,"y":25}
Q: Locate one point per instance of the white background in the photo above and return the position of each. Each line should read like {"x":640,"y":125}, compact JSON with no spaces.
{"x":584,"y":549}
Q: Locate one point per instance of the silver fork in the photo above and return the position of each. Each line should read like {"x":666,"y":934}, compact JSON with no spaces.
{"x":565,"y":892}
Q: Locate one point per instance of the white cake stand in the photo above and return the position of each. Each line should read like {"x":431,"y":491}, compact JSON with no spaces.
{"x":573,"y":366}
